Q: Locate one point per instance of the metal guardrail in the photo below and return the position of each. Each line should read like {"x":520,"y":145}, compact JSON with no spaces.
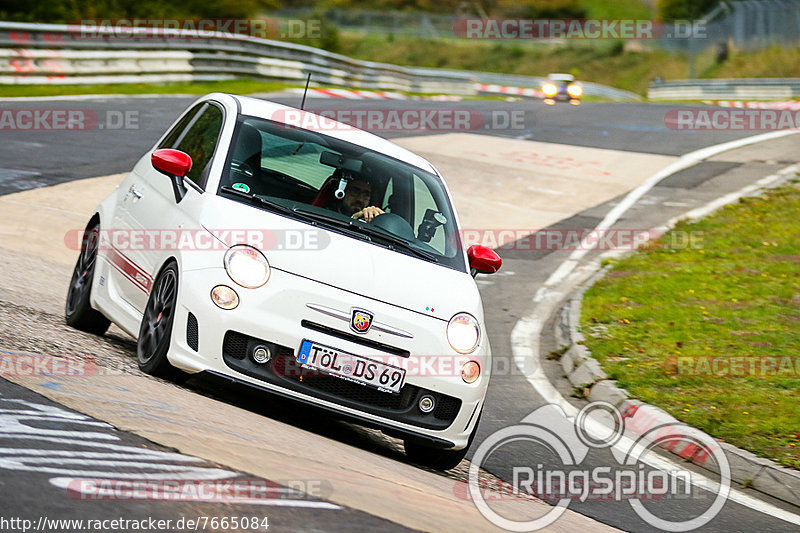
{"x":604,"y":91}
{"x":61,"y":54}
{"x":50,"y":53}
{"x":535,"y":82}
{"x":729,"y":89}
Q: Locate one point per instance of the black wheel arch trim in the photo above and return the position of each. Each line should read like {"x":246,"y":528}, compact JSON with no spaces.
{"x":171,"y":259}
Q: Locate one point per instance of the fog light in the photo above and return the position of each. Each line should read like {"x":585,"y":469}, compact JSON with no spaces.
{"x":427,"y":403}
{"x":224,"y":297}
{"x":470,"y":371}
{"x":262,"y":355}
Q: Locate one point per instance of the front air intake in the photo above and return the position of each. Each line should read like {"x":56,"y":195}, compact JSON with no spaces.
{"x":192,"y":332}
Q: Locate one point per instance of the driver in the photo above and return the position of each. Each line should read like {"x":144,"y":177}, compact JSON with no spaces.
{"x":356,"y":201}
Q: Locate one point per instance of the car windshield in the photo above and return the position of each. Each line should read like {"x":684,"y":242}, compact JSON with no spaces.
{"x":323,"y":180}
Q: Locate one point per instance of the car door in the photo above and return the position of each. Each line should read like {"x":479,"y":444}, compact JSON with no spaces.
{"x":149,"y":216}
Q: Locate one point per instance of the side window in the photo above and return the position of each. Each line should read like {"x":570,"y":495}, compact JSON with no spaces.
{"x":200,"y":141}
{"x":171,"y":139}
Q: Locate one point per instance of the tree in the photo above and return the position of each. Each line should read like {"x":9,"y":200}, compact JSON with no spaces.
{"x":685,"y":9}
{"x":66,"y":11}
{"x":540,"y":9}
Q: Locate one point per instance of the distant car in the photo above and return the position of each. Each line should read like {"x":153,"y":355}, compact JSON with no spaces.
{"x":562,"y":87}
{"x":196,"y":255}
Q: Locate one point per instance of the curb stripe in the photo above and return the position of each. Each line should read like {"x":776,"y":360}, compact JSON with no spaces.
{"x":525,"y":335}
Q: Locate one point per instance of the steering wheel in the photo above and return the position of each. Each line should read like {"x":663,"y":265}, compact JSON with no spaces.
{"x":395,"y":224}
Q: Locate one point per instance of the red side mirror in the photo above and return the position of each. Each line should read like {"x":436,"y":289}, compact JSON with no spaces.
{"x":171,"y":162}
{"x":483,"y":259}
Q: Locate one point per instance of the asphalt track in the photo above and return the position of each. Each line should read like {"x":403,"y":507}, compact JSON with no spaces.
{"x":37,"y":158}
{"x":34,"y":159}
{"x":47,"y":434}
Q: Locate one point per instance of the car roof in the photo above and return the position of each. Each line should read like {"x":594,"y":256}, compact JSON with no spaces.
{"x":273,"y":111}
{"x":561,"y":77}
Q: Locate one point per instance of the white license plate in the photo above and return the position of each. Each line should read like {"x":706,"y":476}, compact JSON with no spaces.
{"x":351,"y":367}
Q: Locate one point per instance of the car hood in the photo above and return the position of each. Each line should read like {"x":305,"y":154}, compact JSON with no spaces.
{"x":344,"y":262}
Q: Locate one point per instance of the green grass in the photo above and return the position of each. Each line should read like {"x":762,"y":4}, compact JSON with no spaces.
{"x":601,"y":62}
{"x":775,"y":62}
{"x":242,"y":86}
{"x":598,"y":61}
{"x":734,"y":293}
{"x":618,"y":9}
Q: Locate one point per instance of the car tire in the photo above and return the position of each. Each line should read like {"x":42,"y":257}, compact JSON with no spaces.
{"x":155,"y":332}
{"x":78,"y":311}
{"x":437,"y":458}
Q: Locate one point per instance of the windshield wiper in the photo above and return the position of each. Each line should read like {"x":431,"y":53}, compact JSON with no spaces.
{"x":402,"y":243}
{"x":349,"y":226}
{"x":368,"y":232}
{"x":275,"y":206}
{"x":301,"y":214}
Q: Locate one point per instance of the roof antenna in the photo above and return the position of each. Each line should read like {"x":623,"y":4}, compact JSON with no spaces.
{"x":303,"y":103}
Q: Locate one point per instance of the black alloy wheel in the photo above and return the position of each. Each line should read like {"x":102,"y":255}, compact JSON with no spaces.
{"x":78,"y":311}
{"x":156,"y":329}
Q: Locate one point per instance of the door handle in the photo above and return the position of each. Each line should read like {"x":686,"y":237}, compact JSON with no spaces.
{"x":133,"y":191}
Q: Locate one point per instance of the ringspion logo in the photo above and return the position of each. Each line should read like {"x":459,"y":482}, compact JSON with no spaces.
{"x":569,"y":477}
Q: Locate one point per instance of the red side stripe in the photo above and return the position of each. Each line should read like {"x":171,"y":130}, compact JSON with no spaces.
{"x":130,"y":270}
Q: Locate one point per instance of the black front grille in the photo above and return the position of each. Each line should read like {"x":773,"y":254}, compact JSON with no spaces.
{"x":342,"y":388}
{"x":447,"y":408}
{"x":284,"y":370}
{"x":333,"y":332}
{"x":235,"y":345}
{"x":192,"y":332}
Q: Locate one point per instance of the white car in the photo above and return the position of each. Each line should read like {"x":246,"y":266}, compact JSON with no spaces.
{"x":231,"y":249}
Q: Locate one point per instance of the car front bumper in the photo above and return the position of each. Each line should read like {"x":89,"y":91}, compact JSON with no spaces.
{"x":277,"y":316}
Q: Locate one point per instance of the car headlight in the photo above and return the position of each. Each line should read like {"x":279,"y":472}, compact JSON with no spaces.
{"x":549,"y":89}
{"x":574,"y":90}
{"x":463,"y":332}
{"x":247,"y":266}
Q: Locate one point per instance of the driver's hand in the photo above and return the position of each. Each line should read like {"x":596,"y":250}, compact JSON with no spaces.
{"x":368,"y":213}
